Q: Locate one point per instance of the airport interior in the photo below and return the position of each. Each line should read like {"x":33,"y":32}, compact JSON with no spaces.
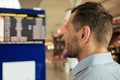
{"x":30,"y":38}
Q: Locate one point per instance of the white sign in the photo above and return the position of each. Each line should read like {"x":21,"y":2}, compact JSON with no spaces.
{"x":24,"y":70}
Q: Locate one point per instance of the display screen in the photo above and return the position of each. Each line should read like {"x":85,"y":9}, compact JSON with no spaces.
{"x":21,"y":27}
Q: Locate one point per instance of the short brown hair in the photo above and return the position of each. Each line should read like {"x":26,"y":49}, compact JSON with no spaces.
{"x":92,"y":14}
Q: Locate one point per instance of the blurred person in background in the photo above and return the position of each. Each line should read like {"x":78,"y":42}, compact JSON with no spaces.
{"x":58,"y":59}
{"x":89,"y":31}
{"x":114,"y":45}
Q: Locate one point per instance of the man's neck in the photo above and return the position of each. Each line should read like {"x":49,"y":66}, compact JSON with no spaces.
{"x":89,"y":52}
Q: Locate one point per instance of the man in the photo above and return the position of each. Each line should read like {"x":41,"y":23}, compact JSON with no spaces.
{"x":88,"y":34}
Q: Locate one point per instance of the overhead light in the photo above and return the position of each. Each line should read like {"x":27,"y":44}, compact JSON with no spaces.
{"x":9,"y":4}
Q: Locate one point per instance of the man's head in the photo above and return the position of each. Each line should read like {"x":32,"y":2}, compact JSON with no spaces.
{"x":88,"y":21}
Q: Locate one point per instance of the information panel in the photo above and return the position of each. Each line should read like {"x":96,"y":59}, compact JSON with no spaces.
{"x":22,"y":48}
{"x":22,"y":27}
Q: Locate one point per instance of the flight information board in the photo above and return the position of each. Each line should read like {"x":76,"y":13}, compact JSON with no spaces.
{"x":22,"y":26}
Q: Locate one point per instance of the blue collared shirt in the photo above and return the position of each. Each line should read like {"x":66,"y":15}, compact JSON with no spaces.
{"x":97,"y":67}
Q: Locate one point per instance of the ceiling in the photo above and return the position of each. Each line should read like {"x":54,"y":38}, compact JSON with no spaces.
{"x":56,"y":11}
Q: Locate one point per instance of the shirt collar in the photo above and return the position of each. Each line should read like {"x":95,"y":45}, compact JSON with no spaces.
{"x":95,"y":59}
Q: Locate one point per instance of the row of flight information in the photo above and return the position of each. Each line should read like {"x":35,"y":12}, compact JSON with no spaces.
{"x":21,"y":28}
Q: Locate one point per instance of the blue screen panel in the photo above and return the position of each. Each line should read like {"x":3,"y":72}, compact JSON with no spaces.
{"x":24,"y":52}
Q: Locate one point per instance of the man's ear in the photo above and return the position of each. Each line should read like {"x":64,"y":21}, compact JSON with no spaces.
{"x":85,"y":34}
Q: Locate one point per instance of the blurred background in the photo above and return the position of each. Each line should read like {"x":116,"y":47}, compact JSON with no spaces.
{"x":58,"y":66}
